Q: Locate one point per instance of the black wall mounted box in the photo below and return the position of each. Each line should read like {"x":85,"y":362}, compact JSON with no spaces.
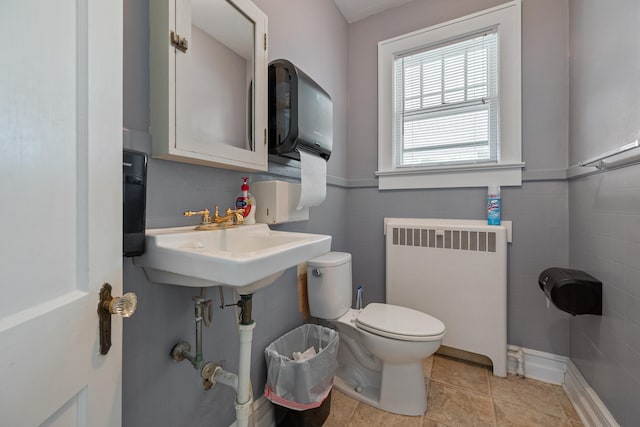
{"x":573,"y":291}
{"x":134,"y":201}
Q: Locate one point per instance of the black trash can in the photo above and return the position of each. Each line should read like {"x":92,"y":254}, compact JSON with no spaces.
{"x":315,"y":417}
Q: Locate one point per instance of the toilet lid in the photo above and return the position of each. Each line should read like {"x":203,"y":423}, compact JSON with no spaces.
{"x":399,"y":322}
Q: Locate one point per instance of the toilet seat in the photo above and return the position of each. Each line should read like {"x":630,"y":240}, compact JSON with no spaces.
{"x":399,"y":323}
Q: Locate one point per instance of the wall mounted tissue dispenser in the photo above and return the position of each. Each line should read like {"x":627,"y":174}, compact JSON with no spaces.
{"x":300,"y":113}
{"x":573,"y":291}
{"x":277,"y":202}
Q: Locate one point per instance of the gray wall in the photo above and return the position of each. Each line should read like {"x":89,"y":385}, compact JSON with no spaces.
{"x":590,"y":222}
{"x":156,"y":390}
{"x":605,"y":208}
{"x":538,"y":209}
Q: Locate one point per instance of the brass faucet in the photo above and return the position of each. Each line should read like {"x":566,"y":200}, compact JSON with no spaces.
{"x":207,"y":222}
{"x":231,"y":215}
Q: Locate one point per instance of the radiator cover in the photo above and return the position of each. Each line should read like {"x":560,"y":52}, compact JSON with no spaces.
{"x":455,"y":270}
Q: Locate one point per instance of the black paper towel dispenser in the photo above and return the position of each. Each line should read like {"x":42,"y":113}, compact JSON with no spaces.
{"x":573,"y":291}
{"x":300,"y":113}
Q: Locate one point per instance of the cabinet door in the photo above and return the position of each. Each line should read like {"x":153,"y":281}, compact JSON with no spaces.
{"x":216,"y":96}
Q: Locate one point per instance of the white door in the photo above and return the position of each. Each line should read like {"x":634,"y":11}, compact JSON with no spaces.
{"x":60,"y":210}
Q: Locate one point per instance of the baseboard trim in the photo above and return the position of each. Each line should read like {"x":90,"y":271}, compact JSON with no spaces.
{"x":538,"y":365}
{"x":588,"y":405}
{"x":264,"y":413}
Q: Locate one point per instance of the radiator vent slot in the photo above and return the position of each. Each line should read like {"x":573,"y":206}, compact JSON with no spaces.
{"x":482,"y":241}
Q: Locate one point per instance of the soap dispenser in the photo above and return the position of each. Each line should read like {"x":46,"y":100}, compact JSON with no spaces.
{"x":246,"y":201}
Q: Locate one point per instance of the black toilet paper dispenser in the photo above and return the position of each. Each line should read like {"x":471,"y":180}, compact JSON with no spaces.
{"x":573,"y":291}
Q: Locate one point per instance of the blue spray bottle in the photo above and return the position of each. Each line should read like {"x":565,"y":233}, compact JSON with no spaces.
{"x":493,"y":205}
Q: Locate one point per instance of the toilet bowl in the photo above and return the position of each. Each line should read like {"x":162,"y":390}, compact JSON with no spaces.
{"x":381,"y":346}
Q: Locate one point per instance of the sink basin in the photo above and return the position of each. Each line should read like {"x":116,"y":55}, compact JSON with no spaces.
{"x":246,"y":257}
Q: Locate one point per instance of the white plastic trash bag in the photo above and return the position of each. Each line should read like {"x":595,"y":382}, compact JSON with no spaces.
{"x":302,"y":384}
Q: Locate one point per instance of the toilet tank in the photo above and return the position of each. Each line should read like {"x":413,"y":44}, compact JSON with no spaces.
{"x":329,"y":285}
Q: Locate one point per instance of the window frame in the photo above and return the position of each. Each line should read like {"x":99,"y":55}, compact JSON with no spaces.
{"x":508,"y":169}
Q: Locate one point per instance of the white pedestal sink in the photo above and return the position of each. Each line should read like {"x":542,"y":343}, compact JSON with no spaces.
{"x":245,"y":257}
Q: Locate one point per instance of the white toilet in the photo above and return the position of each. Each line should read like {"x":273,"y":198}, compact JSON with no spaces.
{"x":381,"y":347}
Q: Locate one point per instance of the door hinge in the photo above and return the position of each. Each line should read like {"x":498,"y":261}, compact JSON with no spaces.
{"x":265,"y":41}
{"x":265,"y":136}
{"x":179,"y":42}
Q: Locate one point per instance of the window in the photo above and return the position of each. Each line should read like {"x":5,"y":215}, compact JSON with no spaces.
{"x":446,"y":103}
{"x":449,"y":103}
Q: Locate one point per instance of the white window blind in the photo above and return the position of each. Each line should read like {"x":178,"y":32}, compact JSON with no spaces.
{"x":446,"y":103}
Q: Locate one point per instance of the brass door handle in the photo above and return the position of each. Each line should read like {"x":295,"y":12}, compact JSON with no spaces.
{"x":125,"y":306}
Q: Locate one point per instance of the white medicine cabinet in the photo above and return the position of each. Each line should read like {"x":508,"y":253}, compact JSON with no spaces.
{"x":208,"y":91}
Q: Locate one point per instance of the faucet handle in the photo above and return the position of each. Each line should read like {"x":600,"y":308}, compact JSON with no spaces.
{"x":206,"y":217}
{"x":236,"y":215}
{"x":235,"y":211}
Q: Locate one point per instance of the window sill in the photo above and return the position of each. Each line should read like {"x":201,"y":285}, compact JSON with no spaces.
{"x":503,"y":174}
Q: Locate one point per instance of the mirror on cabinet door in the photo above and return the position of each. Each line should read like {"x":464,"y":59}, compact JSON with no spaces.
{"x":208,"y":83}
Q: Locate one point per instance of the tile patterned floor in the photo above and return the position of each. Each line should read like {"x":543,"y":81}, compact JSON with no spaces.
{"x":465,"y":394}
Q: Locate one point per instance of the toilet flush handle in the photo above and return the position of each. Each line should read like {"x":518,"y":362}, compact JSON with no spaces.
{"x":316,"y":272}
